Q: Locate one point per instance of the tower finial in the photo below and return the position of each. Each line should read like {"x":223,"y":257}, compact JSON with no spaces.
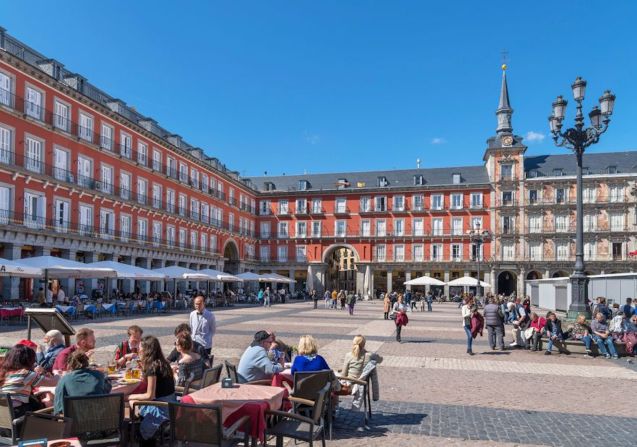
{"x":504,"y":111}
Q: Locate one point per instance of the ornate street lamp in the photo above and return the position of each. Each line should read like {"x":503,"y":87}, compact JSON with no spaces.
{"x":479,"y":237}
{"x":578,"y":139}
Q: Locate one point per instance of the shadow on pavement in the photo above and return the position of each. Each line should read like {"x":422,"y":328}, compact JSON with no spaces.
{"x":349,"y":423}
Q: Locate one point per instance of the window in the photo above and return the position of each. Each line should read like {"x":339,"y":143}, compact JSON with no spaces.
{"x":125,"y":227}
{"x":106,"y":138}
{"x":381,"y":229}
{"x":456,"y":201}
{"x":283,"y":230}
{"x":84,"y":172}
{"x":194,"y":181}
{"x":107,"y":224}
{"x":125,"y":145}
{"x":533,"y":196}
{"x":34,"y":155}
{"x":342,"y":183}
{"x":399,"y":253}
{"x":535,"y":223}
{"x":475,"y":253}
{"x":612,"y":169}
{"x":142,"y":153}
{"x":304,"y":185}
{"x":124,"y":185}
{"x":205,"y":213}
{"x":506,"y":172}
{"x":265,"y":230}
{"x":399,"y":227}
{"x":616,"y":193}
{"x":419,"y":227}
{"x":171,"y":167}
{"x":366,"y":228}
{"x":558,"y":172}
{"x":157,"y":195}
{"x":264,"y":207}
{"x":170,"y":200}
{"x":508,"y":251}
{"x":382,"y":181}
{"x":399,"y":203}
{"x":85,"y":129}
{"x":157,"y":231}
{"x":561,"y":223}
{"x":436,"y":252}
{"x":86,"y":220}
{"x":170,"y":236}
{"x":301,"y":253}
{"x":316,"y":229}
{"x":476,"y":223}
{"x":508,"y":224}
{"x":456,"y":226}
{"x":590,"y":222}
{"x":182,"y":205}
{"x":6,"y":96}
{"x":142,"y":229}
{"x":418,"y":202}
{"x":476,"y":200}
{"x":107,"y":179}
{"x":561,"y":195}
{"x":282,"y":253}
{"x":301,"y":206}
{"x":456,"y":179}
{"x":456,"y":252}
{"x":33,"y":103}
{"x":283,"y":207}
{"x":61,"y":165}
{"x":561,"y":249}
{"x":419,"y":180}
{"x":590,"y":251}
{"x":340,"y":228}
{"x":418,"y":253}
{"x":616,"y":221}
{"x":203,"y":242}
{"x":204,"y":182}
{"x":365,"y":204}
{"x":6,"y":144}
{"x":341,"y":205}
{"x":589,"y":194}
{"x":156,"y":160}
{"x":301,"y":229}
{"x":61,"y":116}
{"x":436,"y":202}
{"x":5,"y":204}
{"x":142,"y":188}
{"x":264,"y":253}
{"x":507,"y":198}
{"x":62,"y":215}
{"x":194,"y":237}
{"x":436,"y":226}
{"x":183,"y":172}
{"x":182,"y":238}
{"x":535,"y":251}
{"x":380,"y":203}
{"x":317,"y":207}
{"x":213,"y":243}
{"x":380,"y":252}
{"x":194,"y":210}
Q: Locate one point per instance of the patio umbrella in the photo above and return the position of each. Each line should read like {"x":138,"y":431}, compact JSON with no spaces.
{"x":424,"y":281}
{"x":15,"y":268}
{"x":467,"y":281}
{"x":255,"y":277}
{"x":215,"y":275}
{"x":65,"y":268}
{"x":127,"y":271}
{"x":275,"y":277}
{"x":177,"y":272}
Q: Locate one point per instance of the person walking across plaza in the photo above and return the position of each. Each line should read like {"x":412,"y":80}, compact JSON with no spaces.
{"x":494,"y":320}
{"x":327,"y":297}
{"x":202,"y":324}
{"x":430,"y":300}
{"x":466,"y":323}
{"x":350,"y":300}
{"x":400,"y":309}
{"x":267,"y":298}
{"x":386,"y":306}
{"x":315,"y":298}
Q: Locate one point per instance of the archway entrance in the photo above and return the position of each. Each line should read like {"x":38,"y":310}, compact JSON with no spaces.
{"x":560,"y":274}
{"x":534,"y":275}
{"x":231,"y":258}
{"x":341,"y":269}
{"x":507,"y":282}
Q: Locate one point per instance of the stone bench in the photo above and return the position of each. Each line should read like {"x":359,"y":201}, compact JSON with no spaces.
{"x":577,"y":346}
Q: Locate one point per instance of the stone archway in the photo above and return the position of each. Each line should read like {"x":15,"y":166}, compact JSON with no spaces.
{"x":342,"y":267}
{"x":560,"y":274}
{"x":231,"y":257}
{"x":533,"y":274}
{"x":507,"y":282}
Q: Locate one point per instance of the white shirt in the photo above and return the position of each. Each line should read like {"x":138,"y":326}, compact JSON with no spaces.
{"x":203,"y":327}
{"x":61,"y":296}
{"x":466,"y":312}
{"x":49,"y":296}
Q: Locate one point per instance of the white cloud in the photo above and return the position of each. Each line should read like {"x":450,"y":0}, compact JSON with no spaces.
{"x":532,"y":136}
{"x":438,"y":140}
{"x":311,"y":138}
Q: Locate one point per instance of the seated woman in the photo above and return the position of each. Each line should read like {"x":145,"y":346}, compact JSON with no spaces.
{"x":630,"y":334}
{"x":357,"y":359}
{"x":128,"y":349}
{"x":46,"y":355}
{"x":160,"y":386}
{"x":308,"y":358}
{"x":18,"y":379}
{"x":190,"y":365}
{"x":79,"y":381}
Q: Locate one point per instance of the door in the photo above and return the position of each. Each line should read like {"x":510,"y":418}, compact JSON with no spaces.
{"x":61,"y":162}
{"x":84,"y":172}
{"x":5,"y":205}
{"x":5,"y":90}
{"x":5,"y":146}
{"x":34,"y":209}
{"x":62,"y":209}
{"x":124,"y":227}
{"x":617,"y":251}
{"x":61,"y":116}
{"x":107,"y":179}
{"x":86,"y":220}
{"x":34,"y":155}
{"x":34,"y":103}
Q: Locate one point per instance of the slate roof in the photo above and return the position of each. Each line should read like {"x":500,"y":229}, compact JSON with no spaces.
{"x":469,"y":175}
{"x":545,"y":165}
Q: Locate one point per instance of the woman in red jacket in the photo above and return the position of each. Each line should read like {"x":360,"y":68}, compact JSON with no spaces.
{"x":536,"y":329}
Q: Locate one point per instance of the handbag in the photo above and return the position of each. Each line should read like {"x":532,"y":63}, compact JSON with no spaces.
{"x":392,"y":316}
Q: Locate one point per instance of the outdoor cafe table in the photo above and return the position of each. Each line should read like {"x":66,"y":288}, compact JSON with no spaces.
{"x":8,"y":312}
{"x":74,"y":442}
{"x":241,"y":400}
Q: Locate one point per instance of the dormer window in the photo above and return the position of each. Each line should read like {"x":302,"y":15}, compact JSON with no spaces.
{"x":342,"y":183}
{"x":382,"y":181}
{"x":532,"y":174}
{"x":304,"y":185}
{"x":456,"y":178}
{"x":612,"y":169}
{"x":558,"y":172}
{"x":269,"y":186}
{"x":419,"y":180}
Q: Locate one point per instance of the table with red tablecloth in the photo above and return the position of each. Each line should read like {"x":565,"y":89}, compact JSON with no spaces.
{"x":8,"y":312}
{"x":239,"y":401}
{"x":282,"y":378}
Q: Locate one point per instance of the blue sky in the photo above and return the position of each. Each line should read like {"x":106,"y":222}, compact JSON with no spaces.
{"x":320,"y":86}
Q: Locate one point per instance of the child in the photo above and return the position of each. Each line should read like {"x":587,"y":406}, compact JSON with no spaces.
{"x":554,"y":333}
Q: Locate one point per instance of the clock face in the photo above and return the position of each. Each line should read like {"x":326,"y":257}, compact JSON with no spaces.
{"x":507,"y":141}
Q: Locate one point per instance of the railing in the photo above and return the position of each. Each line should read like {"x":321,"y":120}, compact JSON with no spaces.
{"x":341,"y":210}
{"x":505,"y":203}
{"x":597,"y":201}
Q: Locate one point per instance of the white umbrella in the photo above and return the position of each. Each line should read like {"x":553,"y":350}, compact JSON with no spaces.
{"x":424,"y":281}
{"x":15,"y":268}
{"x":65,"y":268}
{"x":217,"y":275}
{"x":275,"y":277}
{"x":249,"y":276}
{"x":127,"y":271}
{"x":177,"y":272}
{"x":467,"y":281}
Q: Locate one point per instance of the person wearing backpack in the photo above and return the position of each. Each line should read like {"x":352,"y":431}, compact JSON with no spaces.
{"x":494,"y":320}
{"x":521,"y":322}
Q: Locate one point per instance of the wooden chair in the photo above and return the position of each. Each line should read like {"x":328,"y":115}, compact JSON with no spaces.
{"x":37,"y":425}
{"x":98,"y":419}
{"x":202,"y":425}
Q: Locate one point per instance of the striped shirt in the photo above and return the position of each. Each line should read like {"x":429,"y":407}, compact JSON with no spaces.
{"x":20,"y":384}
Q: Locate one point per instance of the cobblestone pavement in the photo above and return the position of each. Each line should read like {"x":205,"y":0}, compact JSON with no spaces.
{"x":432,"y":392}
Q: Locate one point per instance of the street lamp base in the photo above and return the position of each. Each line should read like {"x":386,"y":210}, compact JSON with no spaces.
{"x":579,"y":296}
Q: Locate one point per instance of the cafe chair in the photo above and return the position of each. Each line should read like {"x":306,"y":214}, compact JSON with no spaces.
{"x":307,"y":386}
{"x":231,"y":371}
{"x":202,"y":425}
{"x":162,"y":432}
{"x":365,"y":383}
{"x":37,"y":426}
{"x":8,"y":422}
{"x":211,"y":376}
{"x":298,"y":427}
{"x":98,"y":419}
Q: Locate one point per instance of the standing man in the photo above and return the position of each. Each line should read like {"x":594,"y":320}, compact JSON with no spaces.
{"x":266,"y":298}
{"x":430,"y":300}
{"x":315,"y":298}
{"x":350,"y":300}
{"x":203,"y":324}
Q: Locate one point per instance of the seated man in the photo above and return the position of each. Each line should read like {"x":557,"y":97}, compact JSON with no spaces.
{"x":127,"y":350}
{"x":198,"y":348}
{"x":84,"y":342}
{"x":46,"y":355}
{"x":255,"y":363}
{"x":601,"y":336}
{"x":80,"y":381}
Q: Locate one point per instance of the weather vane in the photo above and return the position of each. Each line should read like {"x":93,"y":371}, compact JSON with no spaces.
{"x":505,"y":58}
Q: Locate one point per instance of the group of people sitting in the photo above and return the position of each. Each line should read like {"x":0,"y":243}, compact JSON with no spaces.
{"x":607,"y":328}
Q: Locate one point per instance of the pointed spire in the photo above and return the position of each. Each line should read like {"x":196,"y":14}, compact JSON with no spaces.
{"x":504,"y":111}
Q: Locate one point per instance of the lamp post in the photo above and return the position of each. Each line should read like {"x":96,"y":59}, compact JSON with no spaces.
{"x":478,"y":238}
{"x":578,"y":139}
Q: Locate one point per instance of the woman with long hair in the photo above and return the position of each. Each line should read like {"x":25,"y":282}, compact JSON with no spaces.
{"x":160,"y":386}
{"x":400,"y":309}
{"x":357,"y":358}
{"x":18,"y":378}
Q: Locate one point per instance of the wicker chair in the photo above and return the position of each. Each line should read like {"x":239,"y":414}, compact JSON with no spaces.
{"x":37,"y":426}
{"x":298,"y":427}
{"x":98,"y":419}
{"x":202,"y":425}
